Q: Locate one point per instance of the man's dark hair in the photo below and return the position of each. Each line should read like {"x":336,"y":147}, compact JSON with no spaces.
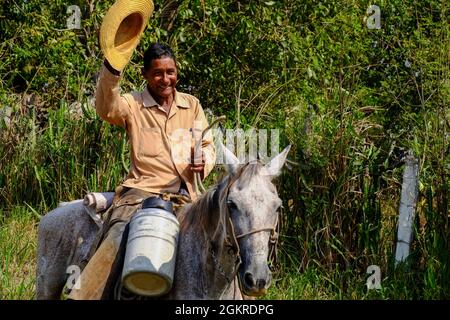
{"x":157,"y":51}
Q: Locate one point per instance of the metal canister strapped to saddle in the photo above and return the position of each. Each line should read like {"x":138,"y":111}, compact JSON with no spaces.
{"x":150,"y":256}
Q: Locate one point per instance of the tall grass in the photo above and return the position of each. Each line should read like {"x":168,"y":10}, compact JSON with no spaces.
{"x":340,"y":215}
{"x":18,"y":235}
{"x":317,"y":282}
{"x":59,"y":155}
{"x":18,"y":231}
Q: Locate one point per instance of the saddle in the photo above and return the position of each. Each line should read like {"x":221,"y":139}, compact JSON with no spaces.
{"x":97,"y":205}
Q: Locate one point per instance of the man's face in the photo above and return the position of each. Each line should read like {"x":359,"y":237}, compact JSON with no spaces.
{"x":162,"y":77}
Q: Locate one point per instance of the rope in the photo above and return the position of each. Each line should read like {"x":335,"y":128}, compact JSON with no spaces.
{"x":255,"y":231}
{"x":197,"y":179}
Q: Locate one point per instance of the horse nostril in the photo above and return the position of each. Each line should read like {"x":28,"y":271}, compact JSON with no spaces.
{"x":260,"y":284}
{"x":248,"y":278}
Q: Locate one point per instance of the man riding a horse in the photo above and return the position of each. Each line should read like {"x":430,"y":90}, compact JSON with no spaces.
{"x":153,"y":120}
{"x":225,"y":235}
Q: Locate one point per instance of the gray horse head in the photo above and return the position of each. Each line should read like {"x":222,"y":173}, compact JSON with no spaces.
{"x":253,"y":205}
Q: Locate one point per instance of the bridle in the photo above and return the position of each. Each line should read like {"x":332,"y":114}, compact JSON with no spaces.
{"x":233,"y":239}
{"x":273,"y":240}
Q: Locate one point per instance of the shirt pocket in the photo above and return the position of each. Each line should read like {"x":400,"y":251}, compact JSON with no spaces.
{"x":150,"y":142}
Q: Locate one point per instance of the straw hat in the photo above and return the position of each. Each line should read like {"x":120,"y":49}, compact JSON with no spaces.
{"x":122,"y":28}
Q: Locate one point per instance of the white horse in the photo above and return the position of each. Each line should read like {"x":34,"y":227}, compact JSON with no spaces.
{"x":225,"y":233}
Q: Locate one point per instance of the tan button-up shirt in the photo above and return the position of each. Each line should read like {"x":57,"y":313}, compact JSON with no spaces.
{"x":160,"y":142}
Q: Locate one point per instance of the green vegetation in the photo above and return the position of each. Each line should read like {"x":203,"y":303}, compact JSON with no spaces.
{"x":17,"y":253}
{"x":351,"y":100}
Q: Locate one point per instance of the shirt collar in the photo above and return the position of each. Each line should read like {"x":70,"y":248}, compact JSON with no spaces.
{"x":149,"y":101}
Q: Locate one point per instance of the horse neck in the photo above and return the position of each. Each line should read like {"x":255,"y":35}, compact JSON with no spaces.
{"x":203,"y":271}
{"x":204,"y":215}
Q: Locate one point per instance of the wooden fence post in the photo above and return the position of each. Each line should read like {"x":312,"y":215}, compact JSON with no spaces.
{"x":407,"y":207}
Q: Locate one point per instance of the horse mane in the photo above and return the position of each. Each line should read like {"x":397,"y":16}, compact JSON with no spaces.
{"x":198,"y":214}
{"x":210,"y":212}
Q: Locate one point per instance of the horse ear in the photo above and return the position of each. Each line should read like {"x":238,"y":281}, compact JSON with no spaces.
{"x":231,"y":162}
{"x":273,"y":168}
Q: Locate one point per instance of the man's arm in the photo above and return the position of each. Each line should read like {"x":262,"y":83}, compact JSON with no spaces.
{"x":110,"y":106}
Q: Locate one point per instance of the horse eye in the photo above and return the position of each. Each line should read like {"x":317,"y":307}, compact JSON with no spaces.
{"x":231,"y":205}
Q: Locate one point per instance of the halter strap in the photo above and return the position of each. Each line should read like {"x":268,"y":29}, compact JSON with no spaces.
{"x":255,"y":231}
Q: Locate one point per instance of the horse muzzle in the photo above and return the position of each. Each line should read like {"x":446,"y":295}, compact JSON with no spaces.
{"x":255,"y":286}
